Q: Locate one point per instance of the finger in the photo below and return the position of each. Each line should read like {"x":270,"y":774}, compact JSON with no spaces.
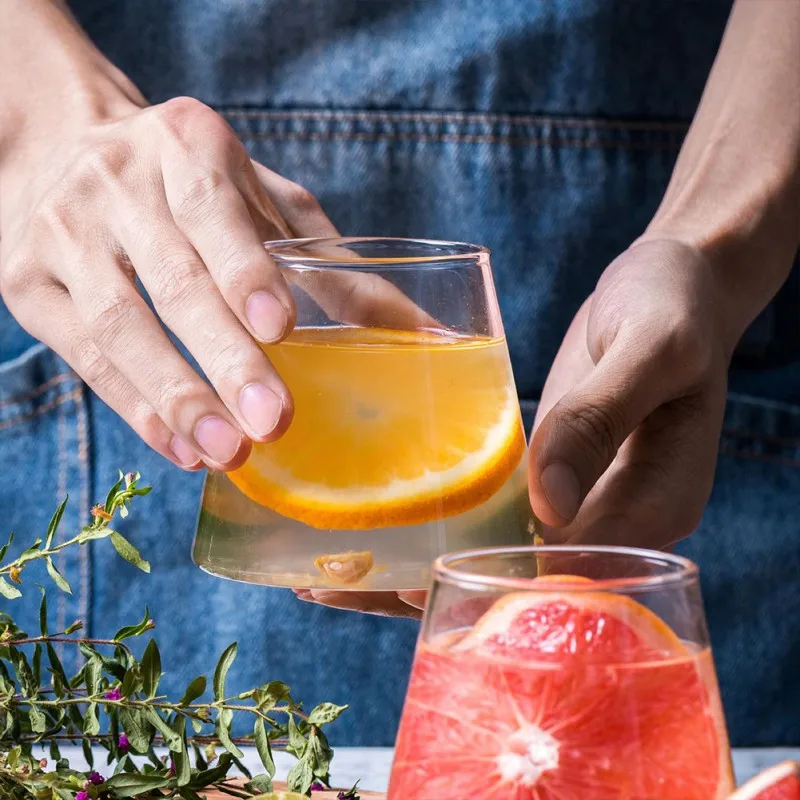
{"x":211,"y":212}
{"x":415,"y":599}
{"x":71,"y":341}
{"x":655,"y":491}
{"x":127,"y":333}
{"x":352,"y":297}
{"x":296,"y":205}
{"x":190,"y":305}
{"x":579,"y":437}
{"x":384,"y":604}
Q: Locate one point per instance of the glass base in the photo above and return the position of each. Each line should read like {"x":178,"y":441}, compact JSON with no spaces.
{"x":265,"y":548}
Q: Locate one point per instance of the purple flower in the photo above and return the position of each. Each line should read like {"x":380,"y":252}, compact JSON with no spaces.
{"x":124,"y":745}
{"x":114,"y":694}
{"x":171,"y":767}
{"x":82,"y":796}
{"x":317,"y":787}
{"x":95,"y":779}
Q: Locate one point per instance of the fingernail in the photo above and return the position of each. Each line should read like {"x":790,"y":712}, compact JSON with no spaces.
{"x":560,"y":484}
{"x":267,"y":316}
{"x":186,"y":456}
{"x":220,"y":440}
{"x":260,"y":407}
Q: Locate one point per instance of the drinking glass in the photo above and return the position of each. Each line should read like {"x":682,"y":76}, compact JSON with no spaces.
{"x":407,"y":439}
{"x":553,"y":673}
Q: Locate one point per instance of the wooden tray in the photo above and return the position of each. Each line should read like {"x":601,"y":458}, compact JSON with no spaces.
{"x":316,"y":795}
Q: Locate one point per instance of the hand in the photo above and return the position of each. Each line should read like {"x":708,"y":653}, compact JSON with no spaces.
{"x":385,"y":604}
{"x":626,"y":436}
{"x":167,"y":196}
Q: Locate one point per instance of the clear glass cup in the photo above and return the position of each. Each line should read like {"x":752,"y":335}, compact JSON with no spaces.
{"x":407,"y":439}
{"x":563,"y":672}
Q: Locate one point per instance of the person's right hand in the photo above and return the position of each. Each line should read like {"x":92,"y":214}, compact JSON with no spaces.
{"x":166,"y":194}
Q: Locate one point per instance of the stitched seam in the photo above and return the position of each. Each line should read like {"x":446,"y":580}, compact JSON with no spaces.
{"x":43,"y":409}
{"x":18,"y":399}
{"x":534,"y":141}
{"x":456,"y":117}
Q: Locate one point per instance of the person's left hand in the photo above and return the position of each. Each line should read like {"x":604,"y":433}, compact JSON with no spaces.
{"x":626,"y":436}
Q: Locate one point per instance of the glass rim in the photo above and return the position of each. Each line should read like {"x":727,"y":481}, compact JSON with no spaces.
{"x":445,"y":571}
{"x":281,"y":250}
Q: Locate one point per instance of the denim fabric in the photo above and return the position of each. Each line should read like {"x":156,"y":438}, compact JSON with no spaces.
{"x":545,"y":129}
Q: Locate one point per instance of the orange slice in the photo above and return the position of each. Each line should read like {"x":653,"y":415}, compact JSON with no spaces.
{"x":781,"y":782}
{"x":390,"y":428}
{"x":528,"y":707}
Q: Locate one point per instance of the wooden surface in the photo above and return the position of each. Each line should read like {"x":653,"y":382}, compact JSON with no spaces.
{"x":315,"y":795}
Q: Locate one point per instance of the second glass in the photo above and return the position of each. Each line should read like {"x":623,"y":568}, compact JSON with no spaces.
{"x":407,"y":440}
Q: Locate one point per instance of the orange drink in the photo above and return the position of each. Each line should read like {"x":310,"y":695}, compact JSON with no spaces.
{"x":406,"y":442}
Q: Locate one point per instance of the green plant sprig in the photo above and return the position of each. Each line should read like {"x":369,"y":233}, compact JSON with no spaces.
{"x":113,"y":701}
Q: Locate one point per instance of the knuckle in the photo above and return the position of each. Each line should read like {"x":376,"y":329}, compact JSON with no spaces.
{"x":175,"y":280}
{"x":226,"y":359}
{"x":194,"y":124}
{"x":599,"y":426}
{"x":170,"y":394}
{"x":104,"y":162}
{"x":16,"y":274}
{"x":110,"y":316}
{"x":175,"y":112}
{"x":302,"y":199}
{"x":95,"y":368}
{"x":197,"y":194}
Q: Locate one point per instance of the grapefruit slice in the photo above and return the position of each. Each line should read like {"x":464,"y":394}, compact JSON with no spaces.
{"x":530,"y":706}
{"x":781,"y":782}
{"x":390,"y":428}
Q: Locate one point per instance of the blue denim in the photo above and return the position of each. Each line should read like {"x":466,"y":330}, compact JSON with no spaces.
{"x":545,"y":129}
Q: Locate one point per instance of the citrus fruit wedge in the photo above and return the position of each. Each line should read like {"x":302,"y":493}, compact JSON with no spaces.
{"x":781,"y":782}
{"x":390,"y":428}
{"x":529,"y":706}
{"x":563,"y":626}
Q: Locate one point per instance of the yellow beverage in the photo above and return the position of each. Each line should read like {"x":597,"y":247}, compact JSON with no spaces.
{"x":404,"y":445}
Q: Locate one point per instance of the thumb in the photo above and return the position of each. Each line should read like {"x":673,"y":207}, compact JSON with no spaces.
{"x":579,"y":437}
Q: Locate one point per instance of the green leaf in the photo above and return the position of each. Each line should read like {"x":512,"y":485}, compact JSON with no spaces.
{"x":172,"y":739}
{"x":43,"y":613}
{"x":260,"y":783}
{"x":57,"y":578}
{"x":31,"y":553}
{"x":223,"y":728}
{"x":134,"y":630}
{"x":91,"y":724}
{"x":183,"y":769}
{"x":151,"y":669}
{"x":132,"y":681}
{"x":296,"y":739}
{"x":8,"y":591}
{"x":88,"y":753}
{"x":300,"y":777}
{"x":55,"y":521}
{"x":112,"y":493}
{"x":37,"y":664}
{"x":193,"y":691}
{"x":128,"y":784}
{"x":93,"y":671}
{"x":269,"y":695}
{"x":319,"y":754}
{"x":325,"y":713}
{"x":221,"y":672}
{"x":37,"y":719}
{"x":4,"y":548}
{"x":129,"y":552}
{"x":136,"y":729}
{"x":263,"y":748}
